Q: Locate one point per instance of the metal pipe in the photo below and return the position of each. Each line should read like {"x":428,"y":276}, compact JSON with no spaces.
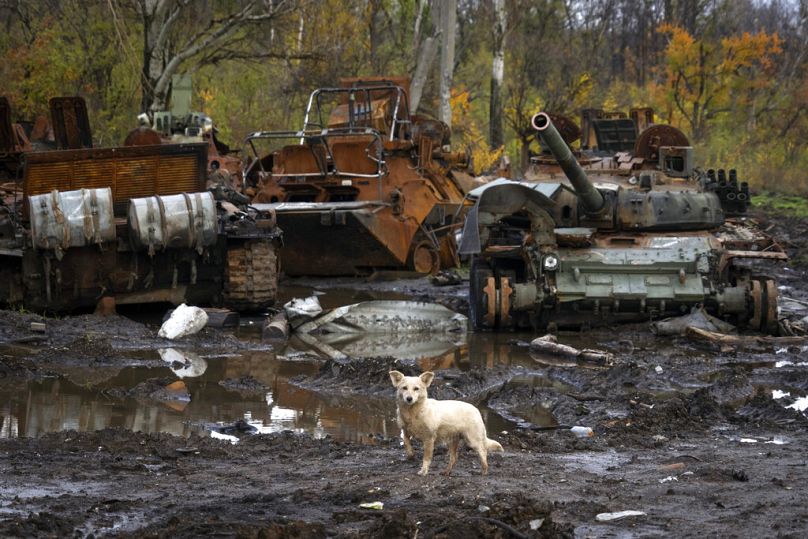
{"x":590,"y":197}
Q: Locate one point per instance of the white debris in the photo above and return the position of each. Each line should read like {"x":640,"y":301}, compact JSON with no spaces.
{"x":748,"y":441}
{"x":776,"y":441}
{"x":668,"y":479}
{"x":535,"y":524}
{"x":800,"y":404}
{"x":777,"y":394}
{"x":306,"y":307}
{"x":219,"y":436}
{"x":658,"y":369}
{"x":184,"y":321}
{"x":606,"y":517}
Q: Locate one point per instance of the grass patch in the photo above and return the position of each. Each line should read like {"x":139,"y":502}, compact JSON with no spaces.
{"x":795,"y":206}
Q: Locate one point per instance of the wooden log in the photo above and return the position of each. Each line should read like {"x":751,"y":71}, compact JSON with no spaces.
{"x":723,"y":339}
{"x":276,"y":328}
{"x":549,"y":345}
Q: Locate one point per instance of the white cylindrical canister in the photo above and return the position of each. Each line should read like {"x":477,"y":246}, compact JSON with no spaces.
{"x":185,"y":221}
{"x":60,"y":220}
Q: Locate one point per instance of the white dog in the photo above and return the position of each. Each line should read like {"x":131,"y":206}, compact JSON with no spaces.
{"x":432,"y":420}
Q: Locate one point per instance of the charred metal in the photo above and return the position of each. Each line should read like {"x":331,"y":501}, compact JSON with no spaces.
{"x":138,"y":223}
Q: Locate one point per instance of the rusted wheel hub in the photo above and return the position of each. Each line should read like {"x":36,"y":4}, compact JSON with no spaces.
{"x":425,"y":258}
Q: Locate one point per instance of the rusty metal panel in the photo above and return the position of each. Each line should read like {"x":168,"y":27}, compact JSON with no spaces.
{"x":351,"y":157}
{"x":71,"y":124}
{"x":131,"y":172}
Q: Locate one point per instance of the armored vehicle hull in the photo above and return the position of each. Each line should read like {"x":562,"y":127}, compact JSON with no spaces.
{"x":362,"y":187}
{"x":135,"y":224}
{"x":630,"y":247}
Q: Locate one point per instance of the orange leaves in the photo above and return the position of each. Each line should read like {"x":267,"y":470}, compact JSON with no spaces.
{"x":750,"y":50}
{"x":705,"y":78}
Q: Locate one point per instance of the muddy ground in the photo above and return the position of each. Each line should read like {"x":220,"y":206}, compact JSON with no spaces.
{"x":685,"y":433}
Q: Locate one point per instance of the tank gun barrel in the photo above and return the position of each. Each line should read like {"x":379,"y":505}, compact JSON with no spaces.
{"x":590,"y":197}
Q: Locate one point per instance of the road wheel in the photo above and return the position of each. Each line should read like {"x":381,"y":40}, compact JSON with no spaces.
{"x":480,"y":279}
{"x":424,"y":257}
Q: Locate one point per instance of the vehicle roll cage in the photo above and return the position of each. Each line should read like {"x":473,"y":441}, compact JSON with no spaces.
{"x":360,"y":98}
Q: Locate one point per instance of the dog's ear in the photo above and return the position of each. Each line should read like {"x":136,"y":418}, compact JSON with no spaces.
{"x":396,"y":377}
{"x":426,"y":377}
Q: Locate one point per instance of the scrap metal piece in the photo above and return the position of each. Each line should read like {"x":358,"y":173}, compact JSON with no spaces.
{"x":385,"y":316}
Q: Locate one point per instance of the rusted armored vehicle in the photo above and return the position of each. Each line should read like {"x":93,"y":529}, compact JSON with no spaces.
{"x":180,"y":124}
{"x":633,"y":236}
{"x":363,"y":186}
{"x":135,"y":223}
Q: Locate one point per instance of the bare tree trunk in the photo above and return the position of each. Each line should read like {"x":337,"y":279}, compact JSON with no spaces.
{"x":164,"y":50}
{"x":429,"y":48}
{"x":425,"y":52}
{"x":448,"y":26}
{"x":495,"y":134}
{"x":524,"y":155}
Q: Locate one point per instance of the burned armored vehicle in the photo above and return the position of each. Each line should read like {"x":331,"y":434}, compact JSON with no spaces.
{"x":180,"y":124}
{"x":134,"y":223}
{"x":363,"y":186}
{"x":631,"y":239}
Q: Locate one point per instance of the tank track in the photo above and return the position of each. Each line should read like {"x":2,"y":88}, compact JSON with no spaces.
{"x":251,"y":275}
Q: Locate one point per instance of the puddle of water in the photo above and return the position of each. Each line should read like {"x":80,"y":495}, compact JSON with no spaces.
{"x":95,"y":398}
{"x":81,"y":403}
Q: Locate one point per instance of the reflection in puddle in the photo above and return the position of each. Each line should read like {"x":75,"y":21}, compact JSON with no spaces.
{"x":185,"y":364}
{"x":185,"y":396}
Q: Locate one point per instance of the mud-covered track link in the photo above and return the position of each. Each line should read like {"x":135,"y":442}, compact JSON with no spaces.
{"x":251,"y":275}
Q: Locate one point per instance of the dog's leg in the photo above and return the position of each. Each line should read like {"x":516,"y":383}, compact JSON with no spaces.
{"x":407,"y":445}
{"x":483,"y":454}
{"x":454,"y":444}
{"x":429,"y":446}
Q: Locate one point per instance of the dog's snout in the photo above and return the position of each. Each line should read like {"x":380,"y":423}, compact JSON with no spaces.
{"x":409,"y":398}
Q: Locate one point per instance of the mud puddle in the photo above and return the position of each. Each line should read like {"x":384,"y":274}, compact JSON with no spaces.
{"x":184,"y":392}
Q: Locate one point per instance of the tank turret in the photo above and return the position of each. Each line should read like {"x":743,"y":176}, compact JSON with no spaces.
{"x":590,"y":197}
{"x":627,"y":236}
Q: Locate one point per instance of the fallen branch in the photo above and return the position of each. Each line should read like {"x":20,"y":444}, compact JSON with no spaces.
{"x":742,"y":340}
{"x":549,"y":345}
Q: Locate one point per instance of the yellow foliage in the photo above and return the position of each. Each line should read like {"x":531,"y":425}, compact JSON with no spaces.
{"x":483,"y":158}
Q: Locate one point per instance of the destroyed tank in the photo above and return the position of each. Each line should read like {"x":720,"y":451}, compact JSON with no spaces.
{"x":133,"y":223}
{"x":636,"y":236}
{"x":364,"y":186}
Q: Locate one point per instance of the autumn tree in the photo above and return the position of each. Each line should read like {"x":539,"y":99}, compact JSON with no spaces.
{"x":704,"y":79}
{"x":178,"y":32}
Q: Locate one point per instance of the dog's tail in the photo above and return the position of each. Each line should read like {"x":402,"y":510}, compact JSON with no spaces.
{"x":493,"y":445}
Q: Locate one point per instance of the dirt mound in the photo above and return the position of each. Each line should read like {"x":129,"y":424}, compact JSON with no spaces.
{"x":219,"y":521}
{"x":370,"y":376}
{"x":549,"y":441}
{"x":159,"y":389}
{"x":361,"y":375}
{"x":244,"y":385}
{"x":537,"y":406}
{"x":89,"y":348}
{"x":652,"y":420}
{"x":42,"y":524}
{"x":764,"y":411}
{"x":731,"y":387}
{"x":122,"y":442}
